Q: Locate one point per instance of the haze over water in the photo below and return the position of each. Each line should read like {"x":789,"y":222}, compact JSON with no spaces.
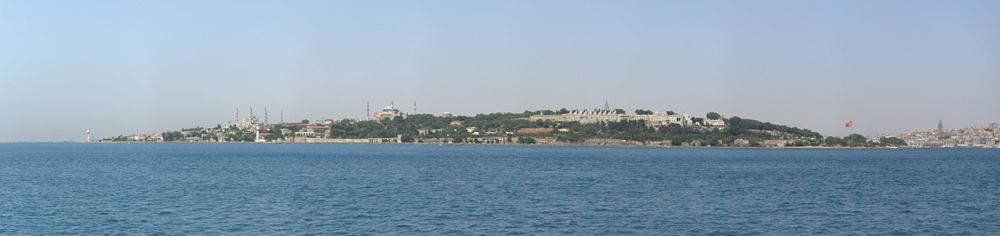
{"x":50,"y":189}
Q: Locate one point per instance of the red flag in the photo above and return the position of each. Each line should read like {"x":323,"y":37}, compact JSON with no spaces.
{"x":849,"y":124}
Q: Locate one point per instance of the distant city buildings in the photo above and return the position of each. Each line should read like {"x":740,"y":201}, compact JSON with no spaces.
{"x":546,"y":127}
{"x":966,"y":137}
{"x":312,"y":131}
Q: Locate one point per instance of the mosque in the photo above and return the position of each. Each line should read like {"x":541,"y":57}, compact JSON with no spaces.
{"x":390,"y":112}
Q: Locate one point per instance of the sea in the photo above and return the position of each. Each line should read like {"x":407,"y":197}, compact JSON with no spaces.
{"x":302,"y":189}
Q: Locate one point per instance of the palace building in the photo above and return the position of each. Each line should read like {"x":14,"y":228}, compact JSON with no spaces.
{"x":606,"y":114}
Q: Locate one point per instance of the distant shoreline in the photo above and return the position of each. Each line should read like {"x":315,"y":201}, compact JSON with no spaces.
{"x":540,"y":145}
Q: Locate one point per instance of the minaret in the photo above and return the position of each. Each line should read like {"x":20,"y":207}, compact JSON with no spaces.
{"x":606,"y":107}
{"x":237,"y":121}
{"x":414,"y":107}
{"x":368,"y":112}
{"x":940,"y":125}
{"x":282,"y":117}
{"x":265,"y":116}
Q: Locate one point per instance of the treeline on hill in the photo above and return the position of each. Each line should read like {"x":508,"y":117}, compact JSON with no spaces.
{"x":857,"y":140}
{"x":459,"y":129}
{"x":753,"y":131}
{"x":738,"y":131}
{"x":436,"y":127}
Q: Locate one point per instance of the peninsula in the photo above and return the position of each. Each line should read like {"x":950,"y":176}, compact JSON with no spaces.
{"x":592,"y":127}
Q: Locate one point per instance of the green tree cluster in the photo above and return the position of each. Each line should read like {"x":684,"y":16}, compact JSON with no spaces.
{"x":713,"y":116}
{"x":857,"y":140}
{"x":172,"y":136}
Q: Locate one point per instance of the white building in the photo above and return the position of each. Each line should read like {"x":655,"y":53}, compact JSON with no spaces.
{"x":584,"y":117}
{"x":662,"y":119}
{"x":251,"y":122}
{"x":608,"y":115}
{"x":715,"y":123}
{"x":390,"y":112}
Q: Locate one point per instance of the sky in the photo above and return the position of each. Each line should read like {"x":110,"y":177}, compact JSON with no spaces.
{"x":124,"y":67}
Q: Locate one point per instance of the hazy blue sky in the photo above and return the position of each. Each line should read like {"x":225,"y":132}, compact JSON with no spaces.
{"x":146,"y":66}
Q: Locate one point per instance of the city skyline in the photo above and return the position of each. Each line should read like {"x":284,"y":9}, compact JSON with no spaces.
{"x":121,"y":67}
{"x":370,"y":115}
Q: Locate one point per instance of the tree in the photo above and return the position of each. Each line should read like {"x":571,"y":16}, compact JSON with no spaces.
{"x":620,"y":111}
{"x":643,"y":112}
{"x":563,"y":111}
{"x":305,"y":121}
{"x":834,"y":141}
{"x":459,"y":135}
{"x":750,"y":124}
{"x":891,"y":141}
{"x":713,"y":116}
{"x":172,"y":136}
{"x":856,"y":140}
{"x":670,"y":113}
{"x":274,"y":135}
{"x":734,"y":119}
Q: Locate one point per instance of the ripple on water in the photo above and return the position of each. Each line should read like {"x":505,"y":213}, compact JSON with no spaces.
{"x":342,"y":189}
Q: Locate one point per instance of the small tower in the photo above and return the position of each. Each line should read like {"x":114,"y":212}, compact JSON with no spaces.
{"x":606,"y":107}
{"x":414,"y":107}
{"x":88,"y":135}
{"x":940,"y":125}
{"x":368,"y":111}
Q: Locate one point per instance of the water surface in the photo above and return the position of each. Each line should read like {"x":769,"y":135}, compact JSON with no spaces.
{"x":48,"y":189}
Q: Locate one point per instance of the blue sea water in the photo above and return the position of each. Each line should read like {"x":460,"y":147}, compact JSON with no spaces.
{"x":50,"y":189}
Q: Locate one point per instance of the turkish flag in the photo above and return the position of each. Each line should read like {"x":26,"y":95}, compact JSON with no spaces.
{"x":849,"y":124}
